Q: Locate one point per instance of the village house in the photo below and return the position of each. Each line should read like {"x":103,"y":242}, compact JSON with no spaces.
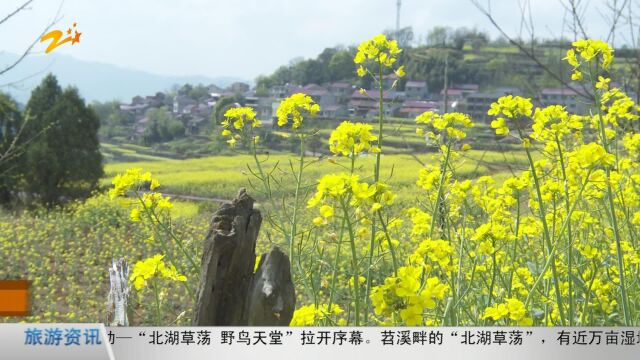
{"x":135,"y":110}
{"x":563,"y":96}
{"x":452,"y":94}
{"x":265,"y":109}
{"x":412,"y":108}
{"x":282,"y":91}
{"x":328,"y":101}
{"x":389,"y":80}
{"x":157,"y":100}
{"x":477,"y":104}
{"x":366,"y":105}
{"x":416,"y":90}
{"x":183,"y":104}
{"x":341,"y":90}
{"x":459,"y":92}
{"x":318,"y":93}
{"x":139,"y":105}
{"x":238,"y":88}
{"x":194,"y":117}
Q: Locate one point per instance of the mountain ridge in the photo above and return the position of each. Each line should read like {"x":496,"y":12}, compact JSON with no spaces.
{"x":95,"y":81}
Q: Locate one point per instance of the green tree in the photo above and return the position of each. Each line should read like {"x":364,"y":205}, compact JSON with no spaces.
{"x":112,"y":121}
{"x":439,"y":36}
{"x":198,"y":92}
{"x":64,"y":162}
{"x":429,"y":64}
{"x":341,"y":66}
{"x":404,"y":36}
{"x":10,"y":146}
{"x":161,"y":126}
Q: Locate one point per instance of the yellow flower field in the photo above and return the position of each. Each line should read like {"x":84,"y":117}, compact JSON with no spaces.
{"x":544,"y":236}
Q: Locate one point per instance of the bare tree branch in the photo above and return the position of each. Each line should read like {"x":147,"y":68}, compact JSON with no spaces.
{"x":615,"y":18}
{"x":35,"y":41}
{"x":10,"y":15}
{"x":574,"y":7}
{"x":529,"y":52}
{"x":17,"y":145}
{"x":13,"y":84}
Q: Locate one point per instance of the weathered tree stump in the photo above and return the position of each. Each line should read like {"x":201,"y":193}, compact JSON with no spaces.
{"x":229,"y":292}
{"x":117,"y":303}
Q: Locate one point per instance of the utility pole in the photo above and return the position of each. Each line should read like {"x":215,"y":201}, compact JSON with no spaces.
{"x":446,"y":82}
{"x":398,"y":5}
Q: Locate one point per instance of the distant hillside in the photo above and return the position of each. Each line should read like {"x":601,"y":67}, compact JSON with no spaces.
{"x":96,"y":81}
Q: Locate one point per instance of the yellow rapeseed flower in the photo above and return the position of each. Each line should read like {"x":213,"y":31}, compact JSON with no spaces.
{"x":295,"y":107}
{"x":379,"y":49}
{"x":153,"y":267}
{"x":352,"y":138}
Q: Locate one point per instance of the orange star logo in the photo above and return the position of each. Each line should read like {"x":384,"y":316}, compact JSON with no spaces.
{"x":56,"y":38}
{"x":76,"y":38}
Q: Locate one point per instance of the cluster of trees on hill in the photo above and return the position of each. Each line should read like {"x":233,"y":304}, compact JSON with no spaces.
{"x":49,"y":152}
{"x":460,"y":49}
{"x":161,"y":127}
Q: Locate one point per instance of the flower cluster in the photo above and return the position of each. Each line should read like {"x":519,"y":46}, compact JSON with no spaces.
{"x":378,"y":49}
{"x":436,"y":251}
{"x":238,"y":124}
{"x":294,"y":108}
{"x":428,"y":177}
{"x":351,"y":139}
{"x":554,"y":123}
{"x":509,"y":106}
{"x":147,"y":202}
{"x":150,"y":202}
{"x":513,"y":309}
{"x":132,"y":179}
{"x":153,"y":267}
{"x":310,"y":315}
{"x":405,"y":294}
{"x":588,"y":50}
{"x":617,"y":107}
{"x":593,"y":155}
{"x":342,"y":189}
{"x":452,"y":125}
{"x":632,"y":144}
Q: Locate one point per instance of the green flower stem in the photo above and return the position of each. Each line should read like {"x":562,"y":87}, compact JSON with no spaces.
{"x":289,"y":235}
{"x":153,"y":217}
{"x":546,"y":236}
{"x":569,"y":233}
{"x":336,"y":265}
{"x":515,"y":244}
{"x":267,"y":185}
{"x":376,"y":176}
{"x":494,"y":273}
{"x":553,"y":249}
{"x":443,"y":173}
{"x":263,"y":177}
{"x":380,"y":122}
{"x":294,"y":217}
{"x":458,"y":288}
{"x":354,"y":261}
{"x":388,"y":238}
{"x":334,"y":276}
{"x":588,"y":295}
{"x":157,"y":303}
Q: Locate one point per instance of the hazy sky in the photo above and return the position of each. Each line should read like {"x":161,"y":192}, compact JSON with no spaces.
{"x":246,"y":38}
